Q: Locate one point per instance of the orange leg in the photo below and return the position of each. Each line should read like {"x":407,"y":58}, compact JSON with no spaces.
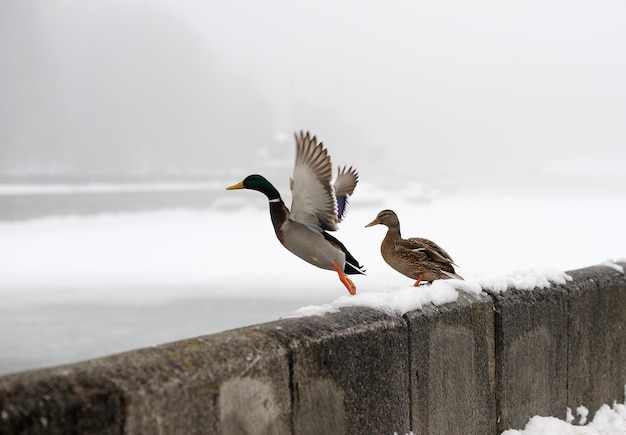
{"x":419,"y":279}
{"x":344,"y":279}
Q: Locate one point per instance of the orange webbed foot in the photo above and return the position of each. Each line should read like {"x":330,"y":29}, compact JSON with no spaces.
{"x":419,"y":279}
{"x":344,"y":279}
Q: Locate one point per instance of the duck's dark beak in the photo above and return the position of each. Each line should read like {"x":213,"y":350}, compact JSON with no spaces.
{"x":372,"y":223}
{"x":236,"y":186}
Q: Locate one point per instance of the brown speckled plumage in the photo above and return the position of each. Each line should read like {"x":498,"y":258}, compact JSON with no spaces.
{"x":417,"y":258}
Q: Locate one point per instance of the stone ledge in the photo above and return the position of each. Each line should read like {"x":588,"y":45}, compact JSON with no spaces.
{"x":479,"y":365}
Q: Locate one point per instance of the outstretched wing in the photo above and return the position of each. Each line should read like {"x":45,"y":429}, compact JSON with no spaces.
{"x":346,"y":181}
{"x":313,"y":196}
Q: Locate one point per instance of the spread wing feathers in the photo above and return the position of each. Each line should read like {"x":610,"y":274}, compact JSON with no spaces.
{"x":425,"y":246}
{"x":346,"y":181}
{"x":313,"y":203}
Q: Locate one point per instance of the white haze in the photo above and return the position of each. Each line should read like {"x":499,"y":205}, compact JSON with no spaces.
{"x":485,"y":92}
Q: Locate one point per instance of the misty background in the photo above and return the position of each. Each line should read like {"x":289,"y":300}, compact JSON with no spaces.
{"x":485,"y":92}
{"x":495,"y":128}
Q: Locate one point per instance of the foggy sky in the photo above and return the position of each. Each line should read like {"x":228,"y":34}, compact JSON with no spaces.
{"x":431,"y":87}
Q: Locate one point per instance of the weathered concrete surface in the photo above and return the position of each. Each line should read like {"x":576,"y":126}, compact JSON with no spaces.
{"x":531,"y":355}
{"x":229,"y":383}
{"x":597,"y":337}
{"x":452,"y":367}
{"x":349,"y":372}
{"x":480,"y":365}
{"x":560,"y":347}
{"x":60,"y":402}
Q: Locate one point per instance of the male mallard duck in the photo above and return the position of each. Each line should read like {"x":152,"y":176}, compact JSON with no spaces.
{"x":420,"y":259}
{"x":317,"y":206}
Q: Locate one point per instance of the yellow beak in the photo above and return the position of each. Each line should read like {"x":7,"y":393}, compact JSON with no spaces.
{"x":236,"y":186}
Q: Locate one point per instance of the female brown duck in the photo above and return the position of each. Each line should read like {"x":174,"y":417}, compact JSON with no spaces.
{"x":417,"y":258}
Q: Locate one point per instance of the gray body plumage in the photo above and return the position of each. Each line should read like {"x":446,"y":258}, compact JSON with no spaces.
{"x":311,"y":246}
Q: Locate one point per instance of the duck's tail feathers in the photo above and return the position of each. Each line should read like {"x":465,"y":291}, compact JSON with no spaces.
{"x":352,"y":266}
{"x":351,"y":269}
{"x":452,"y":275}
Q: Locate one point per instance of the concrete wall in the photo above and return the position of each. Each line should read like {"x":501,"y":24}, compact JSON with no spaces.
{"x":480,"y":365}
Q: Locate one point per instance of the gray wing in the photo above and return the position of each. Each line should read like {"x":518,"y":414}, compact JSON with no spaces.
{"x":313,"y":196}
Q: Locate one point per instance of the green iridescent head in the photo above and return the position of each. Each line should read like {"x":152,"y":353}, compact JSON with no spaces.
{"x":259,"y":183}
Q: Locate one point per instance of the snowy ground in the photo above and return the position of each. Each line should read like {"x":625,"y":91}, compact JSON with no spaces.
{"x":78,"y":287}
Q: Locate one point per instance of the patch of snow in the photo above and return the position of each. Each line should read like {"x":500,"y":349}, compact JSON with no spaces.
{"x":608,"y":420}
{"x":524,"y":280}
{"x":313,"y":310}
{"x":582,"y":412}
{"x":613,"y":265}
{"x":397,"y":301}
{"x":569,"y":417}
{"x":404,"y":299}
{"x":547,"y":425}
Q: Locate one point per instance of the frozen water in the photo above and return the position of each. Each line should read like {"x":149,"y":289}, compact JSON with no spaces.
{"x":75,"y":287}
